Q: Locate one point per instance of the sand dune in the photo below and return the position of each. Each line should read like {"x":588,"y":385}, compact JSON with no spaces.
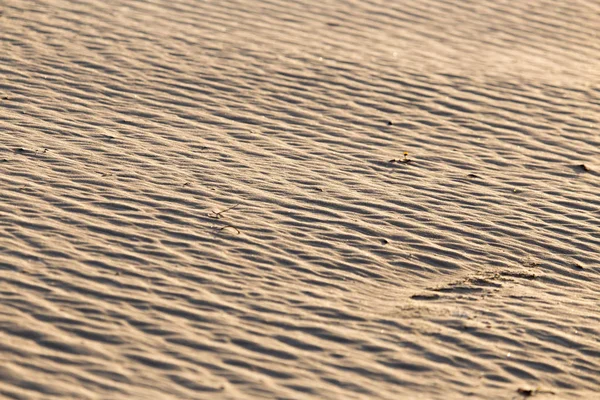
{"x":198,"y":199}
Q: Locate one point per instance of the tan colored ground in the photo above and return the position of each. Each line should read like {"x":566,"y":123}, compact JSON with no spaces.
{"x":471,"y":271}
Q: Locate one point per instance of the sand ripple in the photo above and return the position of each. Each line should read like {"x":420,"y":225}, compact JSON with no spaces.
{"x":197,"y":199}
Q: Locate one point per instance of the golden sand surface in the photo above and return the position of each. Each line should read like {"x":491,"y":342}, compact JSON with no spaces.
{"x":329,"y":199}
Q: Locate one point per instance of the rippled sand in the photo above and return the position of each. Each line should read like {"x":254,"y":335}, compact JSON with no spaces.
{"x":212,"y":200}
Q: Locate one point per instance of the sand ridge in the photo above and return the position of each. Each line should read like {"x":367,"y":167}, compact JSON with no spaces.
{"x":197,"y":199}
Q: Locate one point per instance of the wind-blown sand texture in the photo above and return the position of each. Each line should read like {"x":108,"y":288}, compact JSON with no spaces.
{"x":128,"y":127}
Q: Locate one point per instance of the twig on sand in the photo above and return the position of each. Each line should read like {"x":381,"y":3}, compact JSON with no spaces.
{"x":533,"y":392}
{"x":230,"y":226}
{"x":219,"y":214}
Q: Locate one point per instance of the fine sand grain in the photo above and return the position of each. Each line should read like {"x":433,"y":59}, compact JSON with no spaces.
{"x":299,"y":199}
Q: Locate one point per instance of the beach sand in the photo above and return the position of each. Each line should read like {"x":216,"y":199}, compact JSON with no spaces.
{"x":299,"y":199}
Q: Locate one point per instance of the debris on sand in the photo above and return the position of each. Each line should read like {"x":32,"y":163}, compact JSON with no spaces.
{"x":584,"y":167}
{"x":219,"y":214}
{"x":403,"y":160}
{"x":532,"y":392}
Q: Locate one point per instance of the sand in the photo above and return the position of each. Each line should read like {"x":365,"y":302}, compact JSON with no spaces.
{"x":198,"y":199}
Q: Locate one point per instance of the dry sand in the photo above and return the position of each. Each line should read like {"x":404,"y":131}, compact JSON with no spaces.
{"x":128,"y":126}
